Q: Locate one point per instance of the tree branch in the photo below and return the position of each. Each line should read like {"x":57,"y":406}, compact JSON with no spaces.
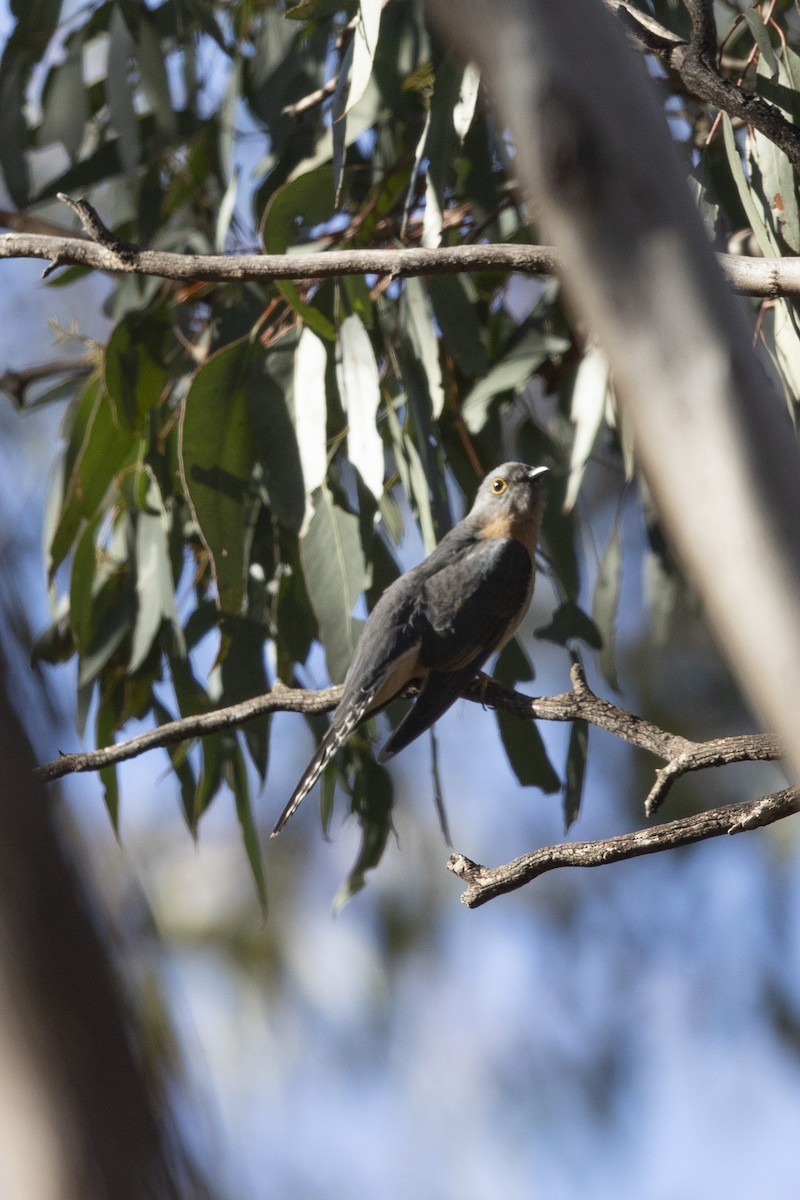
{"x":484,"y":883}
{"x":581,"y":704}
{"x":748,"y":276}
{"x":16,"y":383}
{"x":695,"y":62}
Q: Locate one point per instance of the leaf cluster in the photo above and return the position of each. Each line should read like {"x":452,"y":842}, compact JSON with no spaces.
{"x":245,"y":460}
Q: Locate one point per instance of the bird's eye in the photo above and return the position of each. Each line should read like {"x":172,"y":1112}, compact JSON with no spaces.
{"x":499,"y":485}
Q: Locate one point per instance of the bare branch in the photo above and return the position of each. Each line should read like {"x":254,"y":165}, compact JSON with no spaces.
{"x":16,"y":383}
{"x":749,"y":276}
{"x":695,"y":62}
{"x":748,"y":747}
{"x":484,"y":883}
{"x":581,"y":704}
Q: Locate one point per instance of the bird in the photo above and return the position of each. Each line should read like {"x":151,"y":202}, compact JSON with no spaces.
{"x":439,"y":622}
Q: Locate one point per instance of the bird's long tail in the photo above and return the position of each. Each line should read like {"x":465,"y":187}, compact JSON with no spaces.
{"x":334,"y":737}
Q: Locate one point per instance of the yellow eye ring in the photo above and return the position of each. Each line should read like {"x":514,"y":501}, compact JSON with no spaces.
{"x":499,"y":485}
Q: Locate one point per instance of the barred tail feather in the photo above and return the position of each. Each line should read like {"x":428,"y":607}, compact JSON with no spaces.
{"x":333,"y":739}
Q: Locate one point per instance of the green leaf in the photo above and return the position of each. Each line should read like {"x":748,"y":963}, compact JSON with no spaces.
{"x":456,"y":317}
{"x":335,"y":574}
{"x":294,"y":210}
{"x":35,"y":24}
{"x":526,"y":752}
{"x":525,"y":352}
{"x":372,"y":801}
{"x":359,"y":391}
{"x":424,"y":341}
{"x":105,"y":728}
{"x":569,"y":622}
{"x":179,"y":757}
{"x":65,"y":104}
{"x":120,"y":94}
{"x":576,"y":771}
{"x":365,"y":42}
{"x":243,"y":676}
{"x":244,"y":811}
{"x":311,"y":410}
{"x":339,"y":119}
{"x":97,"y":451}
{"x":133,"y":369}
{"x":441,"y":145}
{"x":606,"y":602}
{"x":513,"y":665}
{"x":155,"y":587}
{"x":217,"y":460}
{"x":464,"y":110}
{"x":269,"y":386}
{"x":153,"y":75}
{"x":589,"y":399}
{"x":82,"y":586}
{"x":296,"y":624}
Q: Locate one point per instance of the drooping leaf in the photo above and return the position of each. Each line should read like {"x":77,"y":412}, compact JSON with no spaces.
{"x":244,"y":675}
{"x":424,"y":341}
{"x":458,"y":321}
{"x":568,"y":623}
{"x":217,"y":460}
{"x":65,"y":104}
{"x":269,"y":403}
{"x":526,"y":351}
{"x":522,"y":741}
{"x":526,"y":752}
{"x":105,"y":728}
{"x":359,"y":390}
{"x":153,"y":76}
{"x":606,"y":603}
{"x":311,"y":412}
{"x":372,"y":802}
{"x":133,"y":369}
{"x":240,"y":786}
{"x":97,"y":451}
{"x":119,"y":93}
{"x":576,"y":771}
{"x":155,"y":586}
{"x":339,"y":118}
{"x":464,"y":109}
{"x":441,"y":145}
{"x":335,"y":574}
{"x":295,"y":209}
{"x":365,"y":43}
{"x":589,"y":398}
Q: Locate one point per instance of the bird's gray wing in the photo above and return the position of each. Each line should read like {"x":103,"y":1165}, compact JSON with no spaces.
{"x":467,"y":608}
{"x":465,"y":611}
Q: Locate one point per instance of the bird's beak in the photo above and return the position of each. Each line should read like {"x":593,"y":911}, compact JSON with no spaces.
{"x":534,"y":471}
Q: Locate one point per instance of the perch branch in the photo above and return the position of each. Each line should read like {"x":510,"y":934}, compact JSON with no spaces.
{"x":484,"y":883}
{"x":580,"y":704}
{"x":103,"y":251}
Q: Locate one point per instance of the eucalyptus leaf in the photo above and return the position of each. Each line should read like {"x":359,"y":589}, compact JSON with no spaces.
{"x":525,"y":351}
{"x":577,"y":751}
{"x":606,"y":604}
{"x":240,"y":785}
{"x":359,"y":390}
{"x":310,"y":411}
{"x":217,"y":460}
{"x":97,"y":451}
{"x":335,"y":575}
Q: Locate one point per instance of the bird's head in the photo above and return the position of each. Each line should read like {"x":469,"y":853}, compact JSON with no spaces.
{"x":509,"y":496}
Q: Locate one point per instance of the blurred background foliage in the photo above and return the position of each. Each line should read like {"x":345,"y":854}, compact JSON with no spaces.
{"x":235,"y":464}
